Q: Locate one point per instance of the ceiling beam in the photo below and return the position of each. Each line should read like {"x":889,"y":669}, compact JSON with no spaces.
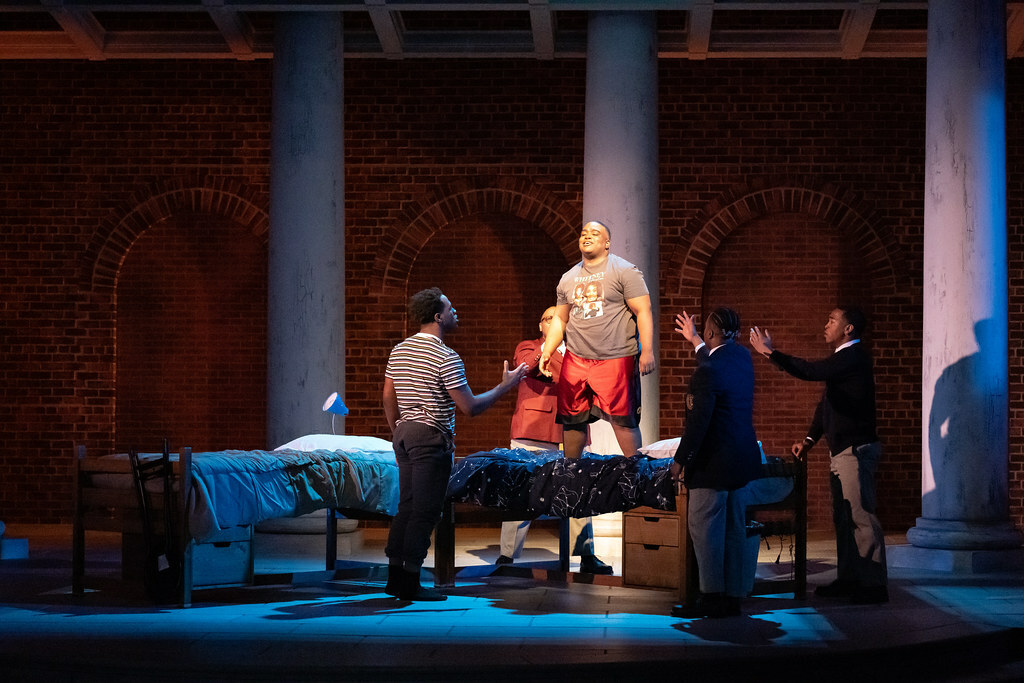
{"x":855,"y":27}
{"x":81,"y":28}
{"x":698,"y":29}
{"x":542,"y":25}
{"x":236,"y":29}
{"x":389,"y":27}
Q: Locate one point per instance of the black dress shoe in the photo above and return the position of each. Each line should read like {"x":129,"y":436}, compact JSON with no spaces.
{"x":840,"y":588}
{"x":423,"y":594}
{"x":503,"y":559}
{"x":589,"y":564}
{"x":410,"y":589}
{"x":710,"y":605}
{"x":689,"y":611}
{"x":870,"y":595}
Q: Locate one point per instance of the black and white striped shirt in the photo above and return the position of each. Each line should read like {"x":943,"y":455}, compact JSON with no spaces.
{"x":423,"y":369}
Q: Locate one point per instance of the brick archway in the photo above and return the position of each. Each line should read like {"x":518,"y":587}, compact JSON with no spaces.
{"x":699,"y":273}
{"x":855,"y":218}
{"x":432,"y":213}
{"x":226,"y":198}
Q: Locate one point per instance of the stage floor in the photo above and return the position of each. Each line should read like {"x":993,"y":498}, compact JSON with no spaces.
{"x":306,"y":625}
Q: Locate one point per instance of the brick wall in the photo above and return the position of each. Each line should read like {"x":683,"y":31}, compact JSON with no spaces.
{"x":785,"y":185}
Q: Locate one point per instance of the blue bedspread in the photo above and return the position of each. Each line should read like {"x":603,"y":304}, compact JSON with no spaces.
{"x":233,"y":488}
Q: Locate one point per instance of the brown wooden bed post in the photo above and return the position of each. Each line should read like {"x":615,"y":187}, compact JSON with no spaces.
{"x":78,"y":528}
{"x":185,"y":537}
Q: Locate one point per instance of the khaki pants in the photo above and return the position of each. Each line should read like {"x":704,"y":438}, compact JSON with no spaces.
{"x":860,"y":544}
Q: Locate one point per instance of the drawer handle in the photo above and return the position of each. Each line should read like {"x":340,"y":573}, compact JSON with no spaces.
{"x":652,"y":519}
{"x":648,"y":546}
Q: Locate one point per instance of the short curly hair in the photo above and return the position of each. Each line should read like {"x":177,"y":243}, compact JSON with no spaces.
{"x":425,"y":304}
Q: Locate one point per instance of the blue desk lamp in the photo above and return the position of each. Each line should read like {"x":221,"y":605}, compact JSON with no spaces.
{"x":335,"y":406}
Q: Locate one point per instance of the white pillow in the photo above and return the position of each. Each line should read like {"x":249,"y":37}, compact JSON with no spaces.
{"x":666,"y":448}
{"x":336,"y":442}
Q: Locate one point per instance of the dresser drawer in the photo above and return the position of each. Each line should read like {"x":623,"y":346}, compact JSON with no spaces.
{"x":650,"y":529}
{"x":650,"y":565}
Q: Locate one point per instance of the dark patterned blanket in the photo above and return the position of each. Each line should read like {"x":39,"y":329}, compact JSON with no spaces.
{"x":545,"y":483}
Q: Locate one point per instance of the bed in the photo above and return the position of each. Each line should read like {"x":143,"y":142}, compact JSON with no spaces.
{"x":215,"y":509}
{"x":229,"y":492}
{"x":505,"y":484}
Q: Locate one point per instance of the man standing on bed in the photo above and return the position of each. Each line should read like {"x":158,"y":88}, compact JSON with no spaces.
{"x":534,"y":428}
{"x":717,"y":456}
{"x":423,"y":384}
{"x":609,"y":340}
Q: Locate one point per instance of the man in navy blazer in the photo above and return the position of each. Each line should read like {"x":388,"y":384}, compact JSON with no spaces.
{"x":717,"y":456}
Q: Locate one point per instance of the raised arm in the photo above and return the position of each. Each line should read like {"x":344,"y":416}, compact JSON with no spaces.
{"x":473,"y":404}
{"x":686,"y":325}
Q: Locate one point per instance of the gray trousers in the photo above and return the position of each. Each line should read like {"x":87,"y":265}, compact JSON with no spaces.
{"x":717,"y":524}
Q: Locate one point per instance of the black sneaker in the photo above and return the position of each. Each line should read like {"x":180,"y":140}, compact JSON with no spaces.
{"x":870,"y":595}
{"x":589,"y":564}
{"x":840,"y":588}
{"x":503,"y":559}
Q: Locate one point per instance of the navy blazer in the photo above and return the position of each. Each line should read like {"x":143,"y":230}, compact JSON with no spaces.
{"x":719,"y":449}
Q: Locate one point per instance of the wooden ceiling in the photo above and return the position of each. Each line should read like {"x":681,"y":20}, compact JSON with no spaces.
{"x":537,"y":29}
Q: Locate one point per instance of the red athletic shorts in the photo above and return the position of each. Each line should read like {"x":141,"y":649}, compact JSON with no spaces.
{"x":589,"y":390}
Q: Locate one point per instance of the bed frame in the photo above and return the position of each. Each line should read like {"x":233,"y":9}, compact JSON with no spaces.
{"x":787,"y":517}
{"x":224,"y":560}
{"x":227,"y":559}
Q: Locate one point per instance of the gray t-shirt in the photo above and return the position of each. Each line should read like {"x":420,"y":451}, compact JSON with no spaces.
{"x":601,"y":326}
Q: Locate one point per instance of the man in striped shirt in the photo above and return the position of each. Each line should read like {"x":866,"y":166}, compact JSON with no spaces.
{"x":423,"y":384}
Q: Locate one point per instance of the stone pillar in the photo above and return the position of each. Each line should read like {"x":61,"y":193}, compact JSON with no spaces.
{"x":964,"y":501}
{"x":306,"y":265}
{"x":620,"y":156}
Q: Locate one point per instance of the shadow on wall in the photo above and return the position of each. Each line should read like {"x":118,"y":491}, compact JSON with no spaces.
{"x":969,"y":396}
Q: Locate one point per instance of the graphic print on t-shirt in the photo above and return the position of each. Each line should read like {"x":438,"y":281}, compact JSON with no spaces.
{"x":588,"y":296}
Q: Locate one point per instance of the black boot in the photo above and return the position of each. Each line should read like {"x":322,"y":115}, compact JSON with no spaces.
{"x":410,"y":589}
{"x":394,"y":579}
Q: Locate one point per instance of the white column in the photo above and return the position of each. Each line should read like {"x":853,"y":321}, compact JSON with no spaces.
{"x":620,"y":156}
{"x":964,"y":501}
{"x":306,"y":265}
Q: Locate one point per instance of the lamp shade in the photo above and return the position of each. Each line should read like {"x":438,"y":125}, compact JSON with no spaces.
{"x":335,"y":405}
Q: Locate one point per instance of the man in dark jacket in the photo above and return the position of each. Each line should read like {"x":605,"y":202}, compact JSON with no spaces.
{"x":846,"y":417}
{"x":717,"y":456}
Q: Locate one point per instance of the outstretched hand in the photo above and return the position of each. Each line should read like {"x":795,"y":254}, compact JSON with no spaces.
{"x":686,"y":325}
{"x":761,"y":340}
{"x":515,"y":376}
